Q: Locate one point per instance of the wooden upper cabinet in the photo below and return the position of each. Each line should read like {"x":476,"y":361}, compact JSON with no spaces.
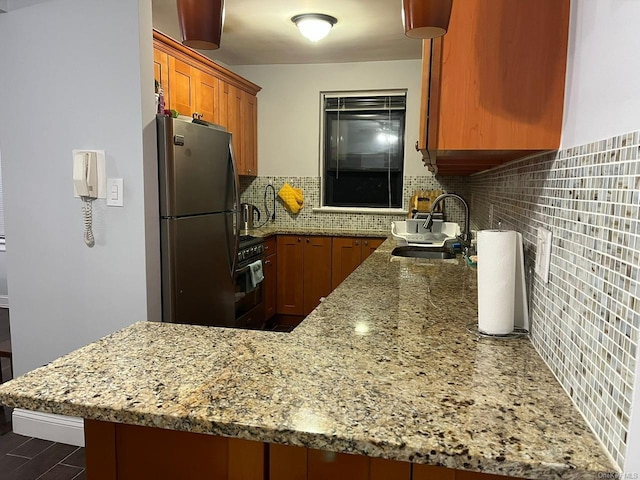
{"x":493,"y":85}
{"x":249,"y":126}
{"x":207,"y":96}
{"x":161,"y":70}
{"x":181,"y":94}
{"x":193,"y":84}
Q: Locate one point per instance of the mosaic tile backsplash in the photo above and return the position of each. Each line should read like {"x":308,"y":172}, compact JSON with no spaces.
{"x":253,"y":191}
{"x":586,"y":320}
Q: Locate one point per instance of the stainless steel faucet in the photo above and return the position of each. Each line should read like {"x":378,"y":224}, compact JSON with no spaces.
{"x":465,"y":235}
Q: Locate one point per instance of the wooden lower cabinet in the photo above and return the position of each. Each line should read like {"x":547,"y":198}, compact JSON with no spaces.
{"x":303,"y":273}
{"x":116,"y":451}
{"x":348,"y":254}
{"x":316,"y":272}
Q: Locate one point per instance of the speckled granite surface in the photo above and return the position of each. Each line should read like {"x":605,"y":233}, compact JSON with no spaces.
{"x":384,"y":367}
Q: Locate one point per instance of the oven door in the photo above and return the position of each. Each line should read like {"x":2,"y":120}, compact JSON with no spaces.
{"x":249,"y":300}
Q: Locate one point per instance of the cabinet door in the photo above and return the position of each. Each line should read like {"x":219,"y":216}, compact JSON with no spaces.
{"x":182,"y":95}
{"x":369,"y":245}
{"x":346,"y":258}
{"x":317,"y":271}
{"x":230,"y":116}
{"x":289,"y":286}
{"x":431,"y":472}
{"x":207,"y":94}
{"x":250,"y":134}
{"x":161,"y":72}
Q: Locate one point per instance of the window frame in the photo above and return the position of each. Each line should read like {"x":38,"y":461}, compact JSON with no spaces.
{"x":321,"y":164}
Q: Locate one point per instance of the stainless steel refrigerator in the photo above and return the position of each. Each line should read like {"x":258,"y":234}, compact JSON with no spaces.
{"x":199,"y":227}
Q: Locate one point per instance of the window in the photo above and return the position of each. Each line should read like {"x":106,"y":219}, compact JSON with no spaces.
{"x":363,"y":149}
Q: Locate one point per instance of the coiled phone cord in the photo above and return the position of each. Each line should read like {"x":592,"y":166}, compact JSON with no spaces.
{"x":87,"y":215}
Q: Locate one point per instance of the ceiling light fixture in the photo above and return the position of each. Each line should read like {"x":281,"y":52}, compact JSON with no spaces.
{"x":426,"y":18}
{"x":201,"y":23}
{"x":314,"y":26}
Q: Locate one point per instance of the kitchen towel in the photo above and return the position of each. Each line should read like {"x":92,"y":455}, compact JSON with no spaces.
{"x":292,"y":198}
{"x":255,"y":273}
{"x":496,"y":281}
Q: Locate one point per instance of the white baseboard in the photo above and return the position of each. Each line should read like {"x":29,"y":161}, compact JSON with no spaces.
{"x":56,"y":428}
{"x":4,"y":301}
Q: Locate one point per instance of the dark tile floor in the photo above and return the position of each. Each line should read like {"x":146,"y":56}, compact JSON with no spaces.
{"x":25,"y":458}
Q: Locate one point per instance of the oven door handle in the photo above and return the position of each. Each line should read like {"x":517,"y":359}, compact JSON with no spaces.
{"x":242,"y":270}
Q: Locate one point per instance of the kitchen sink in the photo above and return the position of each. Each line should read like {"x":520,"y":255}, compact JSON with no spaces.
{"x":424,"y":252}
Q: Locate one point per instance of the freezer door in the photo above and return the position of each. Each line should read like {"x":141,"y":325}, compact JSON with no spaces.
{"x":195,"y":168}
{"x":197,"y":282}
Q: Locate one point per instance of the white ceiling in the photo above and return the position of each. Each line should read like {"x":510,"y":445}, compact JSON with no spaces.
{"x":261,"y":32}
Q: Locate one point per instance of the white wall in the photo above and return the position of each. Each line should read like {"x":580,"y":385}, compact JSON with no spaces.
{"x":72,"y":76}
{"x":602,"y":99}
{"x":289,"y":109}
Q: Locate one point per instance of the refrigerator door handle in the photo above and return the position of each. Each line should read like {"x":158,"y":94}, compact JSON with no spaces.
{"x":236,"y":210}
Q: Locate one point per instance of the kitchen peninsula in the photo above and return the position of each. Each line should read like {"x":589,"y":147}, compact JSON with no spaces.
{"x":390,"y":373}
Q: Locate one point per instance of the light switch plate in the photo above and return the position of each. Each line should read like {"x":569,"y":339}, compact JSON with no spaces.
{"x":115,"y":192}
{"x":543,"y":254}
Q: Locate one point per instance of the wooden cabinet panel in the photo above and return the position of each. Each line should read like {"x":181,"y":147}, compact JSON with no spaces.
{"x":287,"y":462}
{"x":231,"y":117}
{"x":323,"y":465}
{"x":207,"y":94}
{"x":249,"y":128}
{"x":161,"y":72}
{"x":493,"y":89}
{"x":346,"y":258}
{"x":382,"y":469}
{"x":431,"y":472}
{"x":144,"y":452}
{"x":368,"y":246}
{"x":316,"y":271}
{"x":289,"y":289}
{"x":182,"y":95}
{"x":270,"y":276}
{"x":246,"y":460}
{"x":348,"y":254}
{"x":100,"y":454}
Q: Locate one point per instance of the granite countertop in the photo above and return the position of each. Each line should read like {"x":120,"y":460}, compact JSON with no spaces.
{"x":384,"y":367}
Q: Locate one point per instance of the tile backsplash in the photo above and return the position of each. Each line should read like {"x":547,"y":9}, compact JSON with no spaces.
{"x":253,"y":191}
{"x":586,"y":320}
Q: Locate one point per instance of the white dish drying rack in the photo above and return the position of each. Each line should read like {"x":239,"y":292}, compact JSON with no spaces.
{"x":448,"y":231}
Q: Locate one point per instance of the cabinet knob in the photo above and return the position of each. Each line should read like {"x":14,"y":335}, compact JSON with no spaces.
{"x":417,"y":149}
{"x":299,"y":240}
{"x":267,"y":262}
{"x":307,"y":240}
{"x":357,"y":242}
{"x":366,"y":243}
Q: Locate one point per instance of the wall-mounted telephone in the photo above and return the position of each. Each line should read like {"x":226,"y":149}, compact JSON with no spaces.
{"x":85,"y":174}
{"x":85,"y":181}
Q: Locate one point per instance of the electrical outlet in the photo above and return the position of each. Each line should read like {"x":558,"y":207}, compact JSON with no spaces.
{"x":543,"y":253}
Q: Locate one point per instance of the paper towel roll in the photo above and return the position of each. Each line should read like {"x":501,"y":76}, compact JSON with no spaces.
{"x":496,"y":281}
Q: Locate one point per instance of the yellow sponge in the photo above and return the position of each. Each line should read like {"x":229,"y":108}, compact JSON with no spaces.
{"x":292,"y":198}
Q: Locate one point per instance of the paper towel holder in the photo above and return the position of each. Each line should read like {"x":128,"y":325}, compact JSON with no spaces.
{"x":516,"y":333}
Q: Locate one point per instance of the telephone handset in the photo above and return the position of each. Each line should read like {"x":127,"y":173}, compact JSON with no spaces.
{"x":85,"y":174}
{"x":85,"y":181}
